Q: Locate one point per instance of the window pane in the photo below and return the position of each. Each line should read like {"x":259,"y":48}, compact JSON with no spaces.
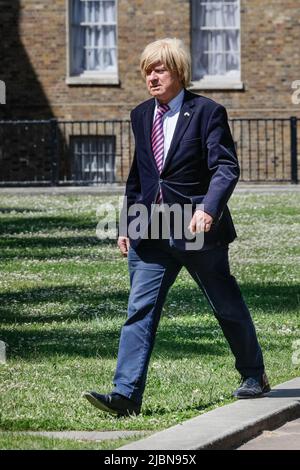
{"x":94,"y":36}
{"x":215,"y":38}
{"x":232,"y":63}
{"x":231,"y":15}
{"x":232,"y":38}
{"x":109,"y":12}
{"x":93,"y":158}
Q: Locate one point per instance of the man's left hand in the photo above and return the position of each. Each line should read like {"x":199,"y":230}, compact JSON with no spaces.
{"x":201,"y":222}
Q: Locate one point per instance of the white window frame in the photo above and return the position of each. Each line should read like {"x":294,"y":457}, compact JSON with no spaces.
{"x":220,"y":82}
{"x":93,"y":77}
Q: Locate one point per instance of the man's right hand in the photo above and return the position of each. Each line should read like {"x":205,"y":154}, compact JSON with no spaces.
{"x":123,"y":244}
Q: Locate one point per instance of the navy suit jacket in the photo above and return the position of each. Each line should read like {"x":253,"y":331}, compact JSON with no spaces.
{"x":201,"y":165}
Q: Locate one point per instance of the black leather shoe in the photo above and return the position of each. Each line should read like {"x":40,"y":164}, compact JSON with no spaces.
{"x":252,"y":387}
{"x":113,"y":403}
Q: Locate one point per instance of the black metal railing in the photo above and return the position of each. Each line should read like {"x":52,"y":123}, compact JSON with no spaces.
{"x":53,"y":152}
{"x":267,"y":148}
{"x":64,"y":152}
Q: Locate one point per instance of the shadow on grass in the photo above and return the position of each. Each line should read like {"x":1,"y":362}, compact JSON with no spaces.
{"x":9,"y":225}
{"x":34,"y":344}
{"x":54,"y":247}
{"x":44,"y":338}
{"x":96,"y":305}
{"x":181,"y":301}
{"x":201,"y":405}
{"x":272,"y":298}
{"x":19,"y":210}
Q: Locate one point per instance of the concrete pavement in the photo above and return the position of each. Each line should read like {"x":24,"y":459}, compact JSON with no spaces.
{"x":286,"y":437}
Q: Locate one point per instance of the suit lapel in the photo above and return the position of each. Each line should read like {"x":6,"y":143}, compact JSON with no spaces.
{"x":184,"y":119}
{"x":148,"y":120}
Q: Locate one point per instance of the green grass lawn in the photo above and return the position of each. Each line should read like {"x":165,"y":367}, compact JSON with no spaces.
{"x":63,"y":300}
{"x":19,"y":441}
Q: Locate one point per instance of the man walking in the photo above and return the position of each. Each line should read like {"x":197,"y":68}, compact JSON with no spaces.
{"x":184,"y":155}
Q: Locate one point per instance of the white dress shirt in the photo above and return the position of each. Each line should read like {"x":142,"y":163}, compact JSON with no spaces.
{"x":170,"y":119}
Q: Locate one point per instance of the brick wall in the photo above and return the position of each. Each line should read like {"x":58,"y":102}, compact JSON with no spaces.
{"x":34,"y":56}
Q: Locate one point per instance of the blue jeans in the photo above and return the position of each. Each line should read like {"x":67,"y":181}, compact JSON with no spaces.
{"x":153,"y":267}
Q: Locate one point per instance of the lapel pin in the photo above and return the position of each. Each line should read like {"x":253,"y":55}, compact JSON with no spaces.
{"x":186,"y":114}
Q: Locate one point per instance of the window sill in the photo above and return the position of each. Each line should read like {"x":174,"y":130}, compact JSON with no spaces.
{"x":100,"y":80}
{"x":220,"y":84}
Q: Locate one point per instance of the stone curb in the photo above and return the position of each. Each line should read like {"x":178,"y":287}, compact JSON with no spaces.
{"x":229,"y":426}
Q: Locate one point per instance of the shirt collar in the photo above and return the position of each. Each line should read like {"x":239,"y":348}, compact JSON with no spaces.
{"x":175,"y":103}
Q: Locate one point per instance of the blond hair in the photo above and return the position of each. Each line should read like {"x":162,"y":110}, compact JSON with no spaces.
{"x":172,"y":53}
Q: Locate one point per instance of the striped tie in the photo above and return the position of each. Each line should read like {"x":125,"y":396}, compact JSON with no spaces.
{"x":157,"y":138}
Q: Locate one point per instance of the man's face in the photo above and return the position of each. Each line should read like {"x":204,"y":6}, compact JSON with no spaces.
{"x":161,"y":83}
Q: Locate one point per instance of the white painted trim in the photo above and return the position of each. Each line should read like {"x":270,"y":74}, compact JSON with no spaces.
{"x":96,"y":80}
{"x":220,"y":84}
